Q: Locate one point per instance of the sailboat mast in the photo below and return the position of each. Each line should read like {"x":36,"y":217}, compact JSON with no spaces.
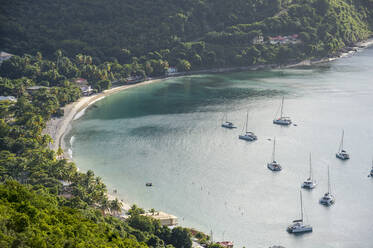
{"x":328,"y":180}
{"x":301,"y":206}
{"x":274,"y":149}
{"x":310,"y":167}
{"x":282,"y":105}
{"x":247,"y":119}
{"x":341,"y":144}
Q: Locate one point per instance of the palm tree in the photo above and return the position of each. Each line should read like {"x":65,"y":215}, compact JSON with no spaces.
{"x":116,"y":206}
{"x":59,"y":152}
{"x":105,"y":205}
{"x":152,"y":211}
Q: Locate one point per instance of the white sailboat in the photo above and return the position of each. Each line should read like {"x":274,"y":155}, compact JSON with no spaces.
{"x":298,"y":226}
{"x":309,"y":183}
{"x":226,"y":123}
{"x":274,"y":166}
{"x":282,"y":120}
{"x":342,"y":154}
{"x":249,"y":136}
{"x":328,"y":198}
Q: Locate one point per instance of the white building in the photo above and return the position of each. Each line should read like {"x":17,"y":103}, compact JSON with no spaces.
{"x":84,"y":86}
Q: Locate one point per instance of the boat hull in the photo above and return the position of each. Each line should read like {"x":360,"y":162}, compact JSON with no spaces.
{"x":342,"y":156}
{"x":306,"y":185}
{"x":326,"y":202}
{"x":228,"y":126}
{"x":282,"y":122}
{"x":299,"y":230}
{"x":273,"y":167}
{"x":247,"y":138}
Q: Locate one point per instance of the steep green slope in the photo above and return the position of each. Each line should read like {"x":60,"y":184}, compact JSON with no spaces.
{"x":122,"y":29}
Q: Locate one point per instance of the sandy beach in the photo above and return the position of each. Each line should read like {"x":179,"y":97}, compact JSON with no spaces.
{"x":58,"y":127}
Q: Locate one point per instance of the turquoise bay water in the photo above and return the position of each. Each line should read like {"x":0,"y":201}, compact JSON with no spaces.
{"x":169,"y":134}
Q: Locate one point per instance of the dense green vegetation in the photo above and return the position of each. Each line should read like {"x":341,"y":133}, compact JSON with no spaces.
{"x":45,"y":213}
{"x":109,"y":41}
{"x":205,"y":33}
{"x":31,"y":217}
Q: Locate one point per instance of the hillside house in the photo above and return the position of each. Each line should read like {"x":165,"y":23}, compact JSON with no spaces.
{"x":287,"y":39}
{"x":84,"y":86}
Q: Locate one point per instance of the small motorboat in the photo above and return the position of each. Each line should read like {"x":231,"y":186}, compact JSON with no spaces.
{"x":149,"y":184}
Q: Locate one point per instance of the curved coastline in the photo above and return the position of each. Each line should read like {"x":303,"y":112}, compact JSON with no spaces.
{"x":57,"y":128}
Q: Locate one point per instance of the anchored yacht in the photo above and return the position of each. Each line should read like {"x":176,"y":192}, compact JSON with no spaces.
{"x":309,"y":183}
{"x":328,"y":198}
{"x":282,"y":120}
{"x":226,"y":123}
{"x":342,"y":154}
{"x":274,"y":166}
{"x":298,"y":226}
{"x":249,"y":136}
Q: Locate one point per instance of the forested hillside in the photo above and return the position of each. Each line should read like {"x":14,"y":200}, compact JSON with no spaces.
{"x":205,"y":33}
{"x":58,"y":41}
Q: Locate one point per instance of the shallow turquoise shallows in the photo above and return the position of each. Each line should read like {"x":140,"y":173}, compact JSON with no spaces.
{"x":170,"y":134}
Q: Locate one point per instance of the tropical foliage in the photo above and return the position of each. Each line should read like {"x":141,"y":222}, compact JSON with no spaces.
{"x":190,"y":34}
{"x":44,"y":200}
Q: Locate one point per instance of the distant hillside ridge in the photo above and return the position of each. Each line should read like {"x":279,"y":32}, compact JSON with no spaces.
{"x":192,"y":33}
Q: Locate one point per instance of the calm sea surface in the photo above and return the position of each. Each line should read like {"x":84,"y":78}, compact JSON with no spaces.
{"x":169,"y":134}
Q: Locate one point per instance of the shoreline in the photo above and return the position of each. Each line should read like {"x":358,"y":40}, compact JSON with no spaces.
{"x":57,"y":128}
